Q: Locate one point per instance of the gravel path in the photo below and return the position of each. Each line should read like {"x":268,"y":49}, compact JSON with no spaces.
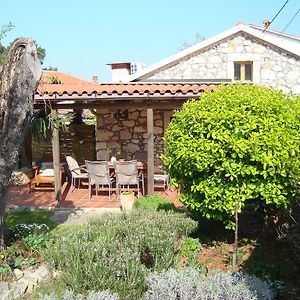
{"x":79,"y":216}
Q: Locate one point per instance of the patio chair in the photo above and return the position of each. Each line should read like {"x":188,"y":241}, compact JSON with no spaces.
{"x":127,"y":176}
{"x":77,"y":172}
{"x":161,"y":181}
{"x":98,"y":174}
{"x":43,"y":177}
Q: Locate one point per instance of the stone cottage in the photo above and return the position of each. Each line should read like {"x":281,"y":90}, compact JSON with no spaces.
{"x":243,"y":53}
{"x":133,"y":112}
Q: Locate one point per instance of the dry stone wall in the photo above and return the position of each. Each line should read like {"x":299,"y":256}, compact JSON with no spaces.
{"x":272,"y":66}
{"x":124,"y":134}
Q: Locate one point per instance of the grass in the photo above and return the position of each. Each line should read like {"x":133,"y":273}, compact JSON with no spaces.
{"x":29,"y":217}
{"x":154,"y":203}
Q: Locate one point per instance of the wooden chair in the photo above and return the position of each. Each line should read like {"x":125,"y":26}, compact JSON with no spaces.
{"x":43,"y":179}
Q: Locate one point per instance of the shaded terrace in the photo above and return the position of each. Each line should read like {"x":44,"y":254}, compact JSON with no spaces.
{"x":68,"y":92}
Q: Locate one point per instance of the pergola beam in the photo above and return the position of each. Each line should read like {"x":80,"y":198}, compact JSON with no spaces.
{"x":150,"y":151}
{"x":166,"y":105}
{"x":56,"y":158}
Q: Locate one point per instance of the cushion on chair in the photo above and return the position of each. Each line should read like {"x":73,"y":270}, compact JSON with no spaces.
{"x":47,"y":173}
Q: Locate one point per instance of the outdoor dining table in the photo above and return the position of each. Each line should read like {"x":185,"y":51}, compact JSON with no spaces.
{"x":140,"y":165}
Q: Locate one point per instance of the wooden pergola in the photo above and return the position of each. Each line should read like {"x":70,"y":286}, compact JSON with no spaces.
{"x":147,"y":95}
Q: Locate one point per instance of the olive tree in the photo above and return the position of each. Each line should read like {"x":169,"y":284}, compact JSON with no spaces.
{"x":236,"y":145}
{"x":18,"y":81}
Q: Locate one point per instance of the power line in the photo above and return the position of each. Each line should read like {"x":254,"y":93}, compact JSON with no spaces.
{"x":291,"y":20}
{"x":279,"y":11}
{"x":277,"y":14}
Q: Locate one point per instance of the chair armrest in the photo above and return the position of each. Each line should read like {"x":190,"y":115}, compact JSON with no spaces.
{"x":80,"y":168}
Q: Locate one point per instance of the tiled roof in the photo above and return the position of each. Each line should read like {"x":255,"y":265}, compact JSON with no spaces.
{"x":48,"y":77}
{"x":70,"y":85}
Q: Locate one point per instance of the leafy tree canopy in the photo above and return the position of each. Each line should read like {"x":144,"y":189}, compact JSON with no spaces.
{"x":239,"y":143}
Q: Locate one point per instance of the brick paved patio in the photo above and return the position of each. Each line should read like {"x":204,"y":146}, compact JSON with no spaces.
{"x":78,"y":198}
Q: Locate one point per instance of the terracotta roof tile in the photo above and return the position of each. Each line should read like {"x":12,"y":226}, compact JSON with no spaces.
{"x":69,"y":85}
{"x":64,"y":78}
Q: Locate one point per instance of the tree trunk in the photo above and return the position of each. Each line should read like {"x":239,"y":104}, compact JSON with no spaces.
{"x":19,"y":78}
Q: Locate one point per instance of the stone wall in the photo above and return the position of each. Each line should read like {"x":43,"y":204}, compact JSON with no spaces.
{"x":272,"y":66}
{"x":123,"y":133}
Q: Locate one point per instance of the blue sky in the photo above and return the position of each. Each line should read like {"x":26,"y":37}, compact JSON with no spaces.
{"x":81,"y":37}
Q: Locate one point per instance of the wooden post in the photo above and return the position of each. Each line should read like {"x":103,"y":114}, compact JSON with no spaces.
{"x":56,"y":158}
{"x":150,"y":150}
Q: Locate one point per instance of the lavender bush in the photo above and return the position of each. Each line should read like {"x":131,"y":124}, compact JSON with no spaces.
{"x":189,"y":284}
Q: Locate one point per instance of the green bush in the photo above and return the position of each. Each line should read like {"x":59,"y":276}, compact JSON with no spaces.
{"x":69,"y":295}
{"x":189,"y":284}
{"x":37,"y":242}
{"x":154,"y":203}
{"x":190,"y":247}
{"x":118,"y":251}
{"x":236,"y":144}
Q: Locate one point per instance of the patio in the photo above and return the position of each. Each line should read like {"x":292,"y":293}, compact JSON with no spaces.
{"x":20,"y":197}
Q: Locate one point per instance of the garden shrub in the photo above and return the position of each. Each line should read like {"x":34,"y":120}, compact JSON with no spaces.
{"x":69,"y":295}
{"x":189,"y":249}
{"x":22,"y":230}
{"x":189,"y":284}
{"x":169,"y":285}
{"x":118,"y":251}
{"x":239,"y":143}
{"x":154,"y":203}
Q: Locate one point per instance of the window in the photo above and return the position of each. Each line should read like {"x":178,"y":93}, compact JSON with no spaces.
{"x":243,"y":70}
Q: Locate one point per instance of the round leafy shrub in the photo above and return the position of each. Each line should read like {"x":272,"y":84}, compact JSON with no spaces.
{"x":189,"y":284}
{"x":154,"y":203}
{"x":236,"y":144}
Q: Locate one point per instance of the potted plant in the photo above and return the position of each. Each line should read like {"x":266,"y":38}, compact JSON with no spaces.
{"x":127,"y":199}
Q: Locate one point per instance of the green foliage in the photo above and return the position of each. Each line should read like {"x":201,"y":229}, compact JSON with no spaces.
{"x":154,"y":203}
{"x":17,"y":253}
{"x":4,"y":50}
{"x":42,"y":125}
{"x":54,"y":80}
{"x":118,"y":251}
{"x":37,"y":242}
{"x":190,"y":247}
{"x":6,"y":28}
{"x":238,"y":143}
{"x":29,"y":217}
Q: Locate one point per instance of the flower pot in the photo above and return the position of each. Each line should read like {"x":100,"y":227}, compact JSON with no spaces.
{"x":127,"y":200}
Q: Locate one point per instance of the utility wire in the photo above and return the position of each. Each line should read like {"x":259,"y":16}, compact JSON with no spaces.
{"x":291,"y":20}
{"x":277,"y":13}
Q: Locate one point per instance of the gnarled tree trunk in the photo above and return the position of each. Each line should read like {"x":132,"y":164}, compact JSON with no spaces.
{"x":19,"y":78}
